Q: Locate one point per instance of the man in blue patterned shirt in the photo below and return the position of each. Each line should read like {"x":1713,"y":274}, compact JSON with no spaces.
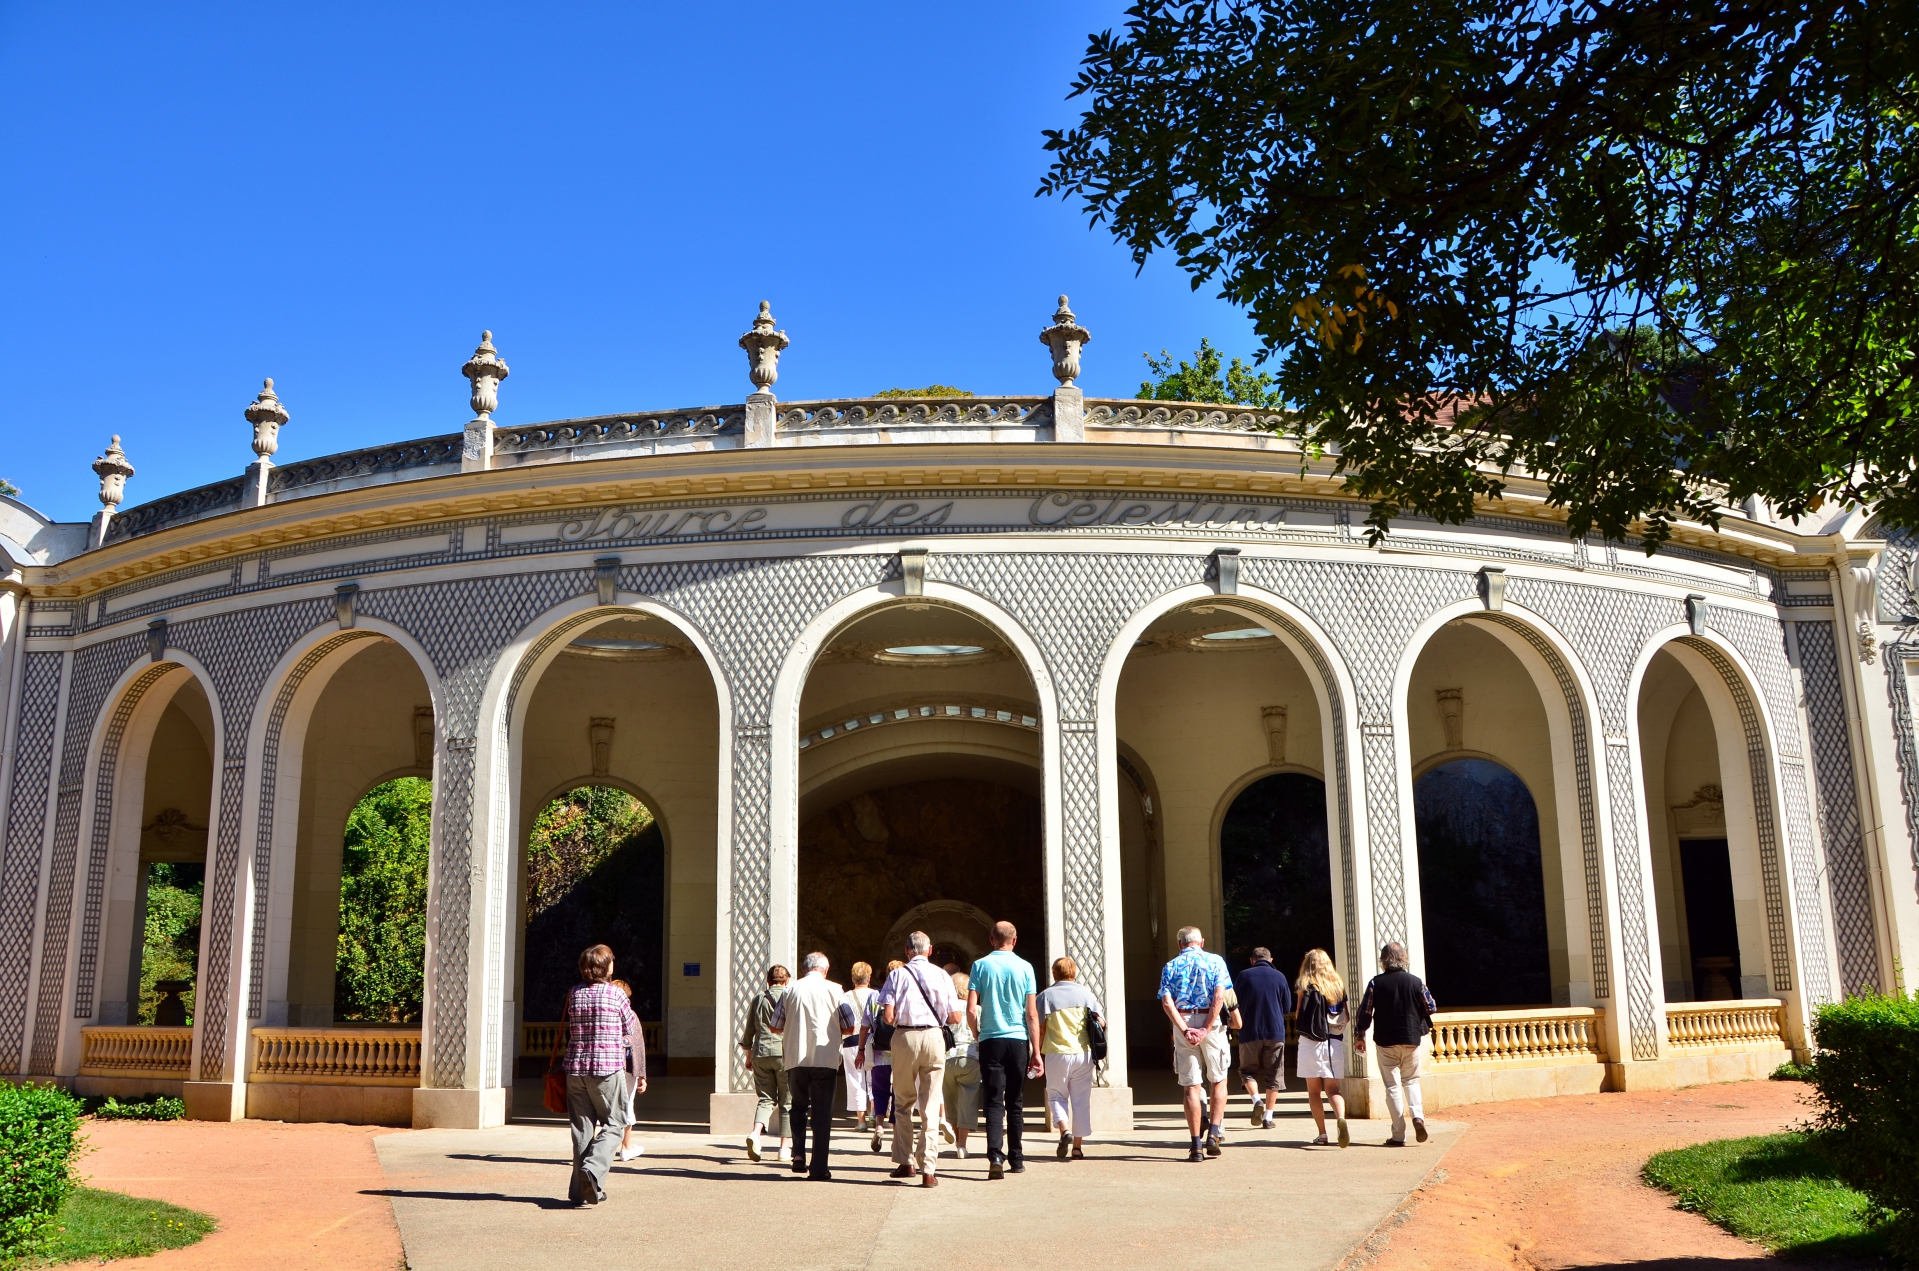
{"x":1192,"y":989}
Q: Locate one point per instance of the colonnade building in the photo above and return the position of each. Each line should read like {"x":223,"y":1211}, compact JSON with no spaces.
{"x":1103,"y":667}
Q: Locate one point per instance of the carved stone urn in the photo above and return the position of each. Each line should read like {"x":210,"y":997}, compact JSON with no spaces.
{"x":486,"y":370}
{"x":763,"y":345}
{"x":170,"y":1011}
{"x":114,"y":471}
{"x":1065,"y":337}
{"x":266,"y":415}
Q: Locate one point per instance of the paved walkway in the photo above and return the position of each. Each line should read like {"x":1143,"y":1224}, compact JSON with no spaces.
{"x":470,"y":1200}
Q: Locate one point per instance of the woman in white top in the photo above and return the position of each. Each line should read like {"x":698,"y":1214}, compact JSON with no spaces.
{"x":1066,"y":1043}
{"x":859,"y":1077}
{"x":1320,"y":1015}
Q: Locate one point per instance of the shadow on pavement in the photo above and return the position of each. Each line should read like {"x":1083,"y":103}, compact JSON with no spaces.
{"x":543,"y":1202}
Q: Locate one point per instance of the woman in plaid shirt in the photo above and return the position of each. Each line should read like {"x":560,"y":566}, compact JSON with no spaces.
{"x":600,"y":1029}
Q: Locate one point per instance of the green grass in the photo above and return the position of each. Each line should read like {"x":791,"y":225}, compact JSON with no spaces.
{"x":99,"y":1226}
{"x":1774,"y":1190}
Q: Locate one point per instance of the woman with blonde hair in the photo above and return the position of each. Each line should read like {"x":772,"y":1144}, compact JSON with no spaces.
{"x":877,"y":1063}
{"x":859,"y":1078}
{"x":1321,"y":1018}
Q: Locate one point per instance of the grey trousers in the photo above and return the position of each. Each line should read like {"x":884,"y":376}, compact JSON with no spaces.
{"x":596,"y":1109}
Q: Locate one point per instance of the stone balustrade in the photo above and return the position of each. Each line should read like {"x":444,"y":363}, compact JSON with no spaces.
{"x":160,"y":1054}
{"x":337,"y":1056}
{"x":1745,"y":1024}
{"x":1518,"y":1038}
{"x":539,"y":1037}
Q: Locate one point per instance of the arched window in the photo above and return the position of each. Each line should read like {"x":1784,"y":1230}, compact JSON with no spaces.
{"x":1275,"y":873}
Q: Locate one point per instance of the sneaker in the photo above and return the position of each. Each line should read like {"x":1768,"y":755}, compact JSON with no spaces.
{"x":1259,"y":1117}
{"x":1322,"y":1141}
{"x":946,"y":1131}
{"x":786,"y":1153}
{"x":1195,"y":1155}
{"x":995,"y":1171}
{"x":876,"y":1137}
{"x":1267,"y":1122}
{"x":1065,"y":1146}
{"x":1419,"y":1129}
{"x":960,"y":1152}
{"x":1345,"y":1135}
{"x":631,"y":1153}
{"x":753,"y":1147}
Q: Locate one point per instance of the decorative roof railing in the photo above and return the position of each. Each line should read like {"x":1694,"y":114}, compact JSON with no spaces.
{"x":433,"y":456}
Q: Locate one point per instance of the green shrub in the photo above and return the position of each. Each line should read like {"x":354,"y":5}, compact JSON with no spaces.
{"x":154,"y":1107}
{"x":39,"y":1137}
{"x":1868,"y":1083}
{"x":1790,"y":1071}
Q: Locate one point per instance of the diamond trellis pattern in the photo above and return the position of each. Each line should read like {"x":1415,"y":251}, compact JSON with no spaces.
{"x":1643,"y":1024}
{"x":26,"y":834}
{"x":1807,"y":913}
{"x":1761,"y":640}
{"x":94,"y":671}
{"x":1894,"y":657}
{"x":269,"y":792}
{"x":1838,"y":795}
{"x":1893,"y":583}
{"x":87,"y":971}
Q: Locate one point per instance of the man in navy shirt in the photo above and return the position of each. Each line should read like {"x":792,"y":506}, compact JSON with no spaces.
{"x":1265,"y":1000}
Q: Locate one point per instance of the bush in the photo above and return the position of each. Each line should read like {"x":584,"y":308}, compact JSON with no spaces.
{"x":1868,"y":1083}
{"x":39,"y":1137}
{"x":1790,"y":1071}
{"x":154,"y":1107}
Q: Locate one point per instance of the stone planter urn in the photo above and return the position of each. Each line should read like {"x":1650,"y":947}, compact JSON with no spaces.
{"x":171,"y":1012}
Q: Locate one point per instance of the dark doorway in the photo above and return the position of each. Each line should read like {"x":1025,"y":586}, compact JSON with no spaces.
{"x":1482,"y":887}
{"x":865,"y":862}
{"x":1275,"y":872}
{"x":595,"y":874}
{"x":1705,"y":867}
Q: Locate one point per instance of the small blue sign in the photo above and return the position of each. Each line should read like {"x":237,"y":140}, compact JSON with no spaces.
{"x":689,"y":968}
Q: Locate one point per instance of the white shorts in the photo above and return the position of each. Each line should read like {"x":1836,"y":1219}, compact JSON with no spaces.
{"x":1321,"y":1059}
{"x":1206,"y":1063}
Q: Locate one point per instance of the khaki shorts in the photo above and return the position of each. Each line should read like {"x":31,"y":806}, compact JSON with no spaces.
{"x":1206,"y":1063}
{"x":1261,"y":1063}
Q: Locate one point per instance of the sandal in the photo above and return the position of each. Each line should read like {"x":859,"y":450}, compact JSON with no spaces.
{"x":1078,"y":1154}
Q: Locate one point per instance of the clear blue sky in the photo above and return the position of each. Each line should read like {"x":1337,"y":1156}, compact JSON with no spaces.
{"x":342,"y":196}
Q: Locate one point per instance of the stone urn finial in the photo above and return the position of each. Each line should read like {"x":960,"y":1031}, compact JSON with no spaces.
{"x":763,"y":345}
{"x":114,"y":471}
{"x":266,"y":415}
{"x":1065,"y":337}
{"x":486,"y":370}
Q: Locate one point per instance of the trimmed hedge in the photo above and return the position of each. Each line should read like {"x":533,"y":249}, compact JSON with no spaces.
{"x":1867,"y":1076}
{"x":39,"y":1137}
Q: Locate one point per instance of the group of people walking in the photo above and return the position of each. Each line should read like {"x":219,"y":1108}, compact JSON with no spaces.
{"x":933,"y":1039}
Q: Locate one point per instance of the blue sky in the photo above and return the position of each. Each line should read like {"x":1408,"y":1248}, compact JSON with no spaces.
{"x":343,"y":196}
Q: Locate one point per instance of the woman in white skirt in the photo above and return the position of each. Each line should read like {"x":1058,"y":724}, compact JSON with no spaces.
{"x":859,"y":1076}
{"x":1321,"y":1026}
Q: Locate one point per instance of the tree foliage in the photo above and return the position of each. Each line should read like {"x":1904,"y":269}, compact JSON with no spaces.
{"x":1203,"y":380}
{"x":379,"y":968}
{"x":931,"y":390}
{"x":171,"y":948}
{"x":1654,"y":253}
{"x":574,"y":835}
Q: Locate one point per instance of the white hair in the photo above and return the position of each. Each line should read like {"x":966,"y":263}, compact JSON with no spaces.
{"x":815,"y":962}
{"x":1189,"y":935}
{"x":1393,"y":956}
{"x":920,"y":942}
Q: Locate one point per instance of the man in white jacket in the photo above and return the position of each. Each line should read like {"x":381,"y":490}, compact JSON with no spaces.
{"x":810,"y":1022}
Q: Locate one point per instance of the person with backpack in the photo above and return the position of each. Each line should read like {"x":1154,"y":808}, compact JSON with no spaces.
{"x":1069,"y":1016}
{"x":1399,"y":1010}
{"x":1320,"y":1014}
{"x":763,"y":1049}
{"x":876,"y":1060}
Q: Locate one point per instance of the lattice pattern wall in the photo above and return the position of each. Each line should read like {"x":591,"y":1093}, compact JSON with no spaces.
{"x":1833,"y":763}
{"x":26,"y":833}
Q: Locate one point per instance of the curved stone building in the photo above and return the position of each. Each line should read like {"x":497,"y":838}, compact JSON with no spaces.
{"x":1104,"y":667}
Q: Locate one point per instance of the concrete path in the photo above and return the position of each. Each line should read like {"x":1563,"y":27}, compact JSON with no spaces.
{"x":471,"y":1200}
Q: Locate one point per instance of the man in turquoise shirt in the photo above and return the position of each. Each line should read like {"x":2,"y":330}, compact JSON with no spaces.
{"x":1000,"y":1001}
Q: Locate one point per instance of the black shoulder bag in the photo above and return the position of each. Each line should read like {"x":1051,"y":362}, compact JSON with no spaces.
{"x":1096,"y":1035}
{"x":946,"y":1030}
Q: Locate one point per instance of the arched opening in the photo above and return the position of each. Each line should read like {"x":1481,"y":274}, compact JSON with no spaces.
{"x":1482,"y":886}
{"x":170,"y":875}
{"x":616,"y":767}
{"x":1223,"y":803}
{"x":595,"y":874}
{"x":1486,"y":810}
{"x":1706,"y":863}
{"x":1275,"y":871}
{"x":920,"y":794}
{"x":379,"y":968}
